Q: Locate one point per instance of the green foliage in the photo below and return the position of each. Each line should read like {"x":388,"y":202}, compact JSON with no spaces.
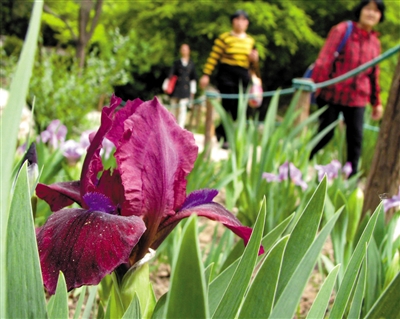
{"x":13,"y":266}
{"x":62,"y":90}
{"x":24,"y":287}
{"x":188,"y":275}
{"x":369,"y":280}
{"x":57,"y":306}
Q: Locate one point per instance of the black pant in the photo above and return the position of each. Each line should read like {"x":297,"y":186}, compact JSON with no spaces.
{"x":354,"y":119}
{"x":229,"y":79}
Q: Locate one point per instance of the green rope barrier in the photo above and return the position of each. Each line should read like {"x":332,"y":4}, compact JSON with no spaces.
{"x":307,"y":84}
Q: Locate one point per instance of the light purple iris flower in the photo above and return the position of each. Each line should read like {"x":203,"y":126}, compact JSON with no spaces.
{"x":287,"y":170}
{"x":130,"y":209}
{"x":72,"y":151}
{"x":333,"y":169}
{"x":55,"y":134}
{"x":108,"y":146}
{"x":391,"y":202}
{"x":347,"y":169}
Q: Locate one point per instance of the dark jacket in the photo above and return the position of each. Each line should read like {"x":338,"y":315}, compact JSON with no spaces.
{"x":185,"y":75}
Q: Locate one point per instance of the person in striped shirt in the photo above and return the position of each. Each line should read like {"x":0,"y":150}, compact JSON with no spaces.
{"x":234,"y":52}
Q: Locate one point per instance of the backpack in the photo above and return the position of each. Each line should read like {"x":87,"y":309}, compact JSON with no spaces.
{"x":339,"y":49}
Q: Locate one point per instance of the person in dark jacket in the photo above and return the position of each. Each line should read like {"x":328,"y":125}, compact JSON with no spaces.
{"x":185,"y":87}
{"x":350,"y":96}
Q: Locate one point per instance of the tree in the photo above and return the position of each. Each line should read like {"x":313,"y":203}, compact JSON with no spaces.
{"x":384,"y":176}
{"x":84,"y":21}
{"x":86,"y":25}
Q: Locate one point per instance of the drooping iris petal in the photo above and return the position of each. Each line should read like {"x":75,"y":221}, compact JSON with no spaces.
{"x":284,"y":171}
{"x":60,"y":195}
{"x":154,"y":157}
{"x":331,"y":170}
{"x":394,"y":201}
{"x":270,"y":177}
{"x":296,"y":177}
{"x":85,"y":245}
{"x":213,"y":211}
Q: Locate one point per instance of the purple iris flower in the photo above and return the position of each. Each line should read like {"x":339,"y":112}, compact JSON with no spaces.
{"x":54,"y":134}
{"x":127,"y":210}
{"x":287,"y":170}
{"x":72,"y":151}
{"x":347,"y":169}
{"x":84,"y":140}
{"x":108,"y":147}
{"x":392,"y":202}
{"x":333,"y":169}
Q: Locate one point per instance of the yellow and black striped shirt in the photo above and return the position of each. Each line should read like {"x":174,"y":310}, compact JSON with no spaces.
{"x":229,"y":49}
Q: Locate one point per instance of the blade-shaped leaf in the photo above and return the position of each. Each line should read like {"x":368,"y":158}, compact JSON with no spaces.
{"x":373,"y":275}
{"x":387,"y":306}
{"x":208,"y":273}
{"x":232,"y":298}
{"x":90,"y":302}
{"x":78,"y":308}
{"x":9,"y":125}
{"x":188,"y":276}
{"x":25,"y":298}
{"x":159,"y":309}
{"x":260,"y":298}
{"x":302,"y":236}
{"x":287,"y":303}
{"x":267,"y":242}
{"x":350,"y":275}
{"x":355,"y":309}
{"x":318,"y":308}
{"x":57,"y":307}
{"x":133,"y":311}
{"x":136,"y":282}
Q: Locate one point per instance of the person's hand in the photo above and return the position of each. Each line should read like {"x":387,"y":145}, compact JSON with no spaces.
{"x":253,"y":56}
{"x":204,"y":80}
{"x":377,"y":112}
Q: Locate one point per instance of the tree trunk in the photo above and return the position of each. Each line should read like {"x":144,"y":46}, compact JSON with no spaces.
{"x":384,"y":176}
{"x":85,"y":35}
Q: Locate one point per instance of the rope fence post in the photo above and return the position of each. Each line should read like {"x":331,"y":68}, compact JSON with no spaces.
{"x":306,"y":88}
{"x":209,"y":125}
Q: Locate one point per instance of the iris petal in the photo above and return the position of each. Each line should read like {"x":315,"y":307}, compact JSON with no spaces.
{"x":60,"y":195}
{"x":213,"y":211}
{"x":202,"y":196}
{"x":92,"y":164}
{"x":117,"y":130}
{"x":116,"y":192}
{"x":154,"y":159}
{"x":85,"y":245}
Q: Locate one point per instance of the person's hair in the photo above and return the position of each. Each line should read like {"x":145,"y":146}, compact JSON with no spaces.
{"x":363,"y":3}
{"x":239,"y":13}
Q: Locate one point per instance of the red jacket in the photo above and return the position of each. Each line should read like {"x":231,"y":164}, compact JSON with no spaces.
{"x":361,"y":47}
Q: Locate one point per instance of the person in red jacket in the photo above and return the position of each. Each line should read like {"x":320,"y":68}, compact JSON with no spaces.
{"x":352,"y":95}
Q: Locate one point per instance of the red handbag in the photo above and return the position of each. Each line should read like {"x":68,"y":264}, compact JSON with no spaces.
{"x":171,"y":84}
